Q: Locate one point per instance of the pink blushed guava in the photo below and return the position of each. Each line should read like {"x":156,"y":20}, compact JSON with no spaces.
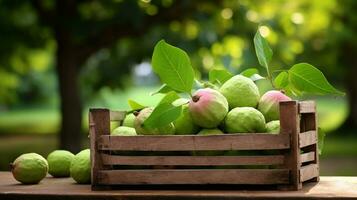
{"x":269,"y":104}
{"x":240,"y":91}
{"x":208,"y":108}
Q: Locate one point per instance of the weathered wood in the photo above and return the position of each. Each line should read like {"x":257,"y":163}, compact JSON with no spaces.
{"x":307,"y":157}
{"x":194,"y":142}
{"x":307,"y":138}
{"x":219,"y":176}
{"x":290,"y":126}
{"x":99,"y":124}
{"x":308,"y":172}
{"x":117,"y":115}
{"x":307,"y":107}
{"x":192,"y":160}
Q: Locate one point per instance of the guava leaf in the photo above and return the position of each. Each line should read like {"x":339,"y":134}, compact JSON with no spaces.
{"x":282,"y":80}
{"x":308,"y":79}
{"x":219,"y":75}
{"x":173,"y":66}
{"x":162,"y":90}
{"x":169,"y":98}
{"x":249,"y":72}
{"x":180,"y":102}
{"x":162,"y":115}
{"x":262,"y":50}
{"x":135,"y":105}
{"x":321,"y":139}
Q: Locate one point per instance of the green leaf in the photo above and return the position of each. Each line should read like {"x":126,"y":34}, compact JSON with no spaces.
{"x":307,"y":78}
{"x":262,"y":50}
{"x":256,"y":77}
{"x":169,"y":98}
{"x":173,"y":66}
{"x":135,"y":105}
{"x":180,"y":102}
{"x":321,"y":139}
{"x":162,"y":115}
{"x":219,"y":75}
{"x":282,"y":80}
{"x":162,"y":90}
{"x":249,"y":72}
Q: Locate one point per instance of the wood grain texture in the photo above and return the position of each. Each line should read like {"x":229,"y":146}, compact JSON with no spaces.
{"x":219,"y":176}
{"x":194,"y":142}
{"x":308,"y":172}
{"x":192,"y":160}
{"x":290,"y":126}
{"x":307,"y":107}
{"x":307,"y":157}
{"x":117,"y":115}
{"x":307,"y":138}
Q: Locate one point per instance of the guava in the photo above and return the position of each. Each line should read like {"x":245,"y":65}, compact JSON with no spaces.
{"x":124,"y":131}
{"x":59,"y":162}
{"x":184,"y":124}
{"x":244,"y":120}
{"x":29,"y":168}
{"x":269,"y":104}
{"x":273,"y":127}
{"x":80,"y":169}
{"x":141,"y":130}
{"x":208,"y":108}
{"x":129,"y":120}
{"x":240,"y":91}
{"x":214,"y":131}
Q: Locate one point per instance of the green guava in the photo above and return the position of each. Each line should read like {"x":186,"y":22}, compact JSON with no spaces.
{"x":240,"y":91}
{"x":273,"y":127}
{"x":81,"y":167}
{"x":214,"y":131}
{"x":208,"y":108}
{"x":124,"y":131}
{"x":184,"y":124}
{"x":59,"y":162}
{"x":244,"y":120}
{"x":29,"y":168}
{"x":129,"y":120}
{"x":141,"y":130}
{"x":269,"y":104}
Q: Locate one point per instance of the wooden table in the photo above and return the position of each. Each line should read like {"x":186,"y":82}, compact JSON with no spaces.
{"x":65,"y":188}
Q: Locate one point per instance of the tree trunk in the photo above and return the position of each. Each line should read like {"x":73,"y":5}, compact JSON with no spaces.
{"x":71,"y":107}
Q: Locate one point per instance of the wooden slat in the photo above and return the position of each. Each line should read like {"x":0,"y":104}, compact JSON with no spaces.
{"x":193,"y":160}
{"x":226,"y":176}
{"x":117,"y":115}
{"x":307,"y":107}
{"x":308,"y":172}
{"x":307,"y":157}
{"x":195,"y":142}
{"x":307,"y":138}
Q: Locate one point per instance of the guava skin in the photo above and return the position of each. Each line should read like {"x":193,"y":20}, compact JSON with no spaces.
{"x":59,"y":162}
{"x":81,"y":167}
{"x":208,"y":108}
{"x":240,"y":91}
{"x":184,"y":124}
{"x":269,"y":104}
{"x":273,"y":127}
{"x":244,"y":120}
{"x":29,"y":168}
{"x":141,"y":130}
{"x":214,"y":131}
{"x":124,"y":131}
{"x":129,"y":120}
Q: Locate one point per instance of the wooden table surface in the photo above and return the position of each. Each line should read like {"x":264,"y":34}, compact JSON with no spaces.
{"x":65,"y":188}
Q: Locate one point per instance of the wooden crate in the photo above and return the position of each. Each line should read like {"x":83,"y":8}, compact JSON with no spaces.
{"x":294,"y":159}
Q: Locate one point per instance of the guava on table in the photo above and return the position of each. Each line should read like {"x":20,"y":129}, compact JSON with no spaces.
{"x":141,"y":130}
{"x":184,"y":124}
{"x":59,"y":162}
{"x":273,"y":127}
{"x":124,"y":131}
{"x":208,"y":108}
{"x":240,"y":91}
{"x":269,"y":104}
{"x":80,"y":169}
{"x":244,"y":120}
{"x":29,"y":168}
